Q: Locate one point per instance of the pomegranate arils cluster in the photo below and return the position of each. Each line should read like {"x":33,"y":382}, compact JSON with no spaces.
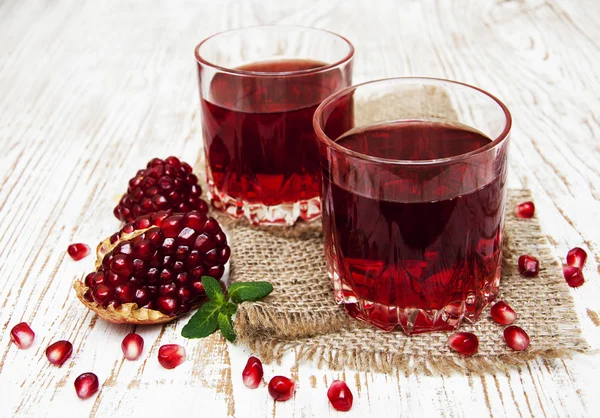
{"x":465,"y":343}
{"x":59,"y":352}
{"x":529,"y":266}
{"x":253,"y":373}
{"x":86,"y":385}
{"x":281,"y":388}
{"x":78,"y":251}
{"x":525,"y":210}
{"x":132,"y":346}
{"x":22,"y":335}
{"x":168,"y":184}
{"x":157,"y":262}
{"x":171,"y":355}
{"x":340,"y":396}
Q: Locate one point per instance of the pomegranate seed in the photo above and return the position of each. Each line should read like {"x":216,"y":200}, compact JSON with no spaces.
{"x":132,"y":346}
{"x":78,"y":251}
{"x":573,"y":276}
{"x":22,"y":335}
{"x":86,"y":385}
{"x":516,"y":338}
{"x":529,"y":266}
{"x":502,"y":313}
{"x":576,"y":257}
{"x":340,"y":396}
{"x":465,"y":343}
{"x":525,"y":210}
{"x":281,"y":388}
{"x":253,"y":373}
{"x":59,"y":352}
{"x":171,"y":355}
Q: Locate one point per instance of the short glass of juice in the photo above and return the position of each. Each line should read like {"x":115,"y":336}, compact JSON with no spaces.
{"x":413,"y":199}
{"x":259,"y":88}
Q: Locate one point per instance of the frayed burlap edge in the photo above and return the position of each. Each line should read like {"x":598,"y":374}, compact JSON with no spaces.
{"x":273,"y":350}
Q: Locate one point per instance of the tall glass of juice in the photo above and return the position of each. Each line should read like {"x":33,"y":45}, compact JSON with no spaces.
{"x":413,"y":198}
{"x":259,"y":88}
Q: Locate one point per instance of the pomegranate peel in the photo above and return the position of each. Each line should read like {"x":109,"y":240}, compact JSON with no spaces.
{"x":127,"y":313}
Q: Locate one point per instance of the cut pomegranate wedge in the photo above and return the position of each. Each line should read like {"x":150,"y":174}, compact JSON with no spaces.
{"x":150,"y":272}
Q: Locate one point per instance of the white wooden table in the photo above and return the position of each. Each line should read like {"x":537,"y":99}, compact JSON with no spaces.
{"x":90,"y":91}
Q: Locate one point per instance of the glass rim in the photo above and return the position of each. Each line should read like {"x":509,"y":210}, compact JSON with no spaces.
{"x":247,"y":73}
{"x":330,"y":143}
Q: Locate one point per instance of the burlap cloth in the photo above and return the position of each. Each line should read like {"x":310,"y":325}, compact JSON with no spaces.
{"x":301,"y":313}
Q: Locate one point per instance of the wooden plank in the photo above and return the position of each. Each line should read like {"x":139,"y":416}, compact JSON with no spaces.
{"x":90,"y":92}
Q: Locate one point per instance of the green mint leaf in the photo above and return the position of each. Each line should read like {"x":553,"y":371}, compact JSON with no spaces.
{"x":228,"y":308}
{"x":249,"y":291}
{"x":204,"y":322}
{"x":212,"y":289}
{"x":226,"y":327}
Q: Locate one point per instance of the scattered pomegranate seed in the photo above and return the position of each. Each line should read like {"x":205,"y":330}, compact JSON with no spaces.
{"x":86,"y":385}
{"x":132,"y":346}
{"x":162,"y":185}
{"x":253,"y":373}
{"x":465,"y":343}
{"x":502,"y":313}
{"x":529,"y":266}
{"x":171,"y":355}
{"x":573,"y":276}
{"x":340,"y":396}
{"x":281,"y":388}
{"x":59,"y":352}
{"x":516,"y":338}
{"x":525,"y":210}
{"x":576,"y":257}
{"x":78,"y":251}
{"x":22,"y":335}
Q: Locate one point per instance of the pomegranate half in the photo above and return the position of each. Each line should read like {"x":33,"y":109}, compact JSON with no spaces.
{"x":150,"y":271}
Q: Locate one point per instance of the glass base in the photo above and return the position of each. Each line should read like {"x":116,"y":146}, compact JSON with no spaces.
{"x":414,"y":320}
{"x":284,"y":214}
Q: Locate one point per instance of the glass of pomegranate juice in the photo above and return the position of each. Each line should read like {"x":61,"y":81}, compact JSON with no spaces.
{"x":413,"y":197}
{"x":259,"y":88}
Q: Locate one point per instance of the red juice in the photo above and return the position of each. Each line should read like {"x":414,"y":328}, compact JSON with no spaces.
{"x":425,"y":263}
{"x":260,"y":145}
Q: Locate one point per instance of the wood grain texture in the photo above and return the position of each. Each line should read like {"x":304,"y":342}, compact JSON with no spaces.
{"x":89,"y":91}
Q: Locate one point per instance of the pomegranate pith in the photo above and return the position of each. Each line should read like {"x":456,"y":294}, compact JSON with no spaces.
{"x":86,"y":385}
{"x":340,"y":396}
{"x":576,"y":257}
{"x":573,"y":276}
{"x":171,"y":355}
{"x":78,"y":251}
{"x":525,"y":210}
{"x":162,"y":185}
{"x":502,"y":313}
{"x":516,"y":338}
{"x":529,"y":266}
{"x":150,"y":271}
{"x":22,"y":335}
{"x":465,"y":343}
{"x":132,"y":346}
{"x":253,"y":373}
{"x":58,"y":352}
{"x":281,"y":388}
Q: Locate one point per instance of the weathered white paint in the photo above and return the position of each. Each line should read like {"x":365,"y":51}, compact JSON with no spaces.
{"x":89,"y":91}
